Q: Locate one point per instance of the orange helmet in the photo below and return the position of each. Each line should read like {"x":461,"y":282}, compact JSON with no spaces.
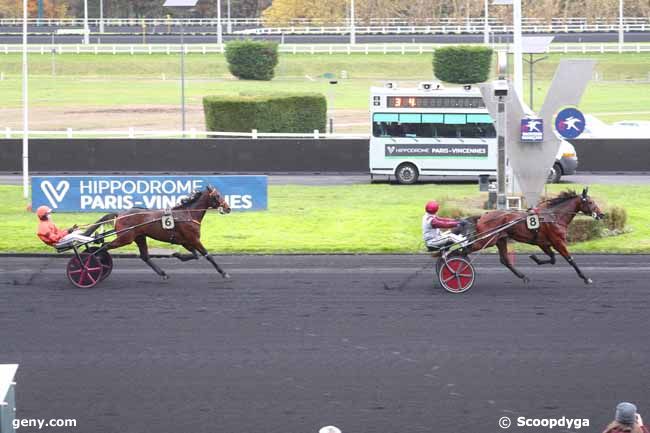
{"x":42,"y":212}
{"x":431,"y":206}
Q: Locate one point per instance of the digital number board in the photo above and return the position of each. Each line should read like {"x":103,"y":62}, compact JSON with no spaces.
{"x":433,"y":102}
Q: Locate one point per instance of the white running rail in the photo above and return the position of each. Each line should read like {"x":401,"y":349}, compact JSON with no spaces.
{"x":380,"y":48}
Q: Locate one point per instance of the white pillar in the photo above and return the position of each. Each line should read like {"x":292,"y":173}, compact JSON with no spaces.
{"x":517,"y":49}
{"x":353,"y":35}
{"x":86,"y":28}
{"x":229,"y":22}
{"x":101,"y":16}
{"x":25,"y":107}
{"x":219,"y":28}
{"x":621,"y":33}
{"x":486,"y":30}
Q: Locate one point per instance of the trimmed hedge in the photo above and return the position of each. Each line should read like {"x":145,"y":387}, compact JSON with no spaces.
{"x":252,"y":60}
{"x":462,"y":64}
{"x":584,"y":228}
{"x":293,"y":113}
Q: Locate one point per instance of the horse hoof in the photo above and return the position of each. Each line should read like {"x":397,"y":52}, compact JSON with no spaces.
{"x":226,"y":276}
{"x":165,"y":277}
{"x":177,"y":255}
{"x":526,"y":280}
{"x":588,"y":281}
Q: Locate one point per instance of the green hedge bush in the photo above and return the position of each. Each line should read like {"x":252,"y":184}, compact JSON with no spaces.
{"x":252,"y":60}
{"x":295,"y":113}
{"x":462,"y":64}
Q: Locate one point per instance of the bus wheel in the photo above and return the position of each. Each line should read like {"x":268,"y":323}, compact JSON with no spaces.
{"x":407,"y":174}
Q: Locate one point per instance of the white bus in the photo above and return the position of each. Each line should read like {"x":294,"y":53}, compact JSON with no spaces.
{"x":430,"y":130}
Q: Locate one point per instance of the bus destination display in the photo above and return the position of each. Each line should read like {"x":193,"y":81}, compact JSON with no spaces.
{"x":433,"y":102}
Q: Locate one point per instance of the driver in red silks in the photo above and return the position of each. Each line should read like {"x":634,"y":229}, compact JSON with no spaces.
{"x":49,"y":233}
{"x":433,"y":238}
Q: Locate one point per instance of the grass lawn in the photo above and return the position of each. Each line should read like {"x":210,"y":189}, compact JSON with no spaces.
{"x":338,"y":219}
{"x":621,"y":91}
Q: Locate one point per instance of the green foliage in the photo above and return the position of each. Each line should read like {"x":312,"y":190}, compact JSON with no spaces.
{"x":292,"y":113}
{"x":462,"y":64}
{"x":252,"y":60}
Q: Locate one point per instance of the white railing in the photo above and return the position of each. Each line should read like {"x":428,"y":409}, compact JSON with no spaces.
{"x":380,"y":48}
{"x":7,"y":397}
{"x":555,"y":23}
{"x":474,"y":28}
{"x":9,"y":133}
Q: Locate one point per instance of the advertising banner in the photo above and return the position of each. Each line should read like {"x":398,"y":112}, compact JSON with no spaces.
{"x":437,"y":150}
{"x":115,"y":193}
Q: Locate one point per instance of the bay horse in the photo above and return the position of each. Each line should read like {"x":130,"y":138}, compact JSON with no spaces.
{"x":555,"y":214}
{"x":137,"y":224}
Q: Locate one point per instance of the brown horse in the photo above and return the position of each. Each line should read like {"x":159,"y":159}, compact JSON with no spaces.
{"x":135,"y":225}
{"x":555,"y":216}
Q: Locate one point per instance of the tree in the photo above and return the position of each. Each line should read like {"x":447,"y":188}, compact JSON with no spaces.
{"x":462,"y":64}
{"x":51,"y":8}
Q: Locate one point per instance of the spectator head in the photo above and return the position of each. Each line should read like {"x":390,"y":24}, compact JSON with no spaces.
{"x":625,"y":413}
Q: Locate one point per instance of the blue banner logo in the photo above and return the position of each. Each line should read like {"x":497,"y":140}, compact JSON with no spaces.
{"x":115,"y":193}
{"x":570,"y":123}
{"x":532,"y":130}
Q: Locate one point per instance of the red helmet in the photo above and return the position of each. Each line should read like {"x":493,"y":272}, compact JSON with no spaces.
{"x":431,"y":207}
{"x":42,"y":212}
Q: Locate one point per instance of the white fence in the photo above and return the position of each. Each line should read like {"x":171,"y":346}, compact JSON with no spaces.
{"x":530,"y":24}
{"x":379,"y":48}
{"x":7,"y":397}
{"x":8,"y":133}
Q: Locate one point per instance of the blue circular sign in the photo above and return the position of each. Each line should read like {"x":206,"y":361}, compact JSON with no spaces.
{"x":570,"y":123}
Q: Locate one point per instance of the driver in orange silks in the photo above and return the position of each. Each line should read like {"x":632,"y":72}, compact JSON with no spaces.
{"x":49,"y":233}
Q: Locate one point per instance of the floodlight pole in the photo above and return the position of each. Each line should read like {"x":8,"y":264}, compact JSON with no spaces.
{"x":518,"y":48}
{"x":101,"y":16}
{"x":86,"y":28}
{"x":621,"y":32}
{"x":25,"y":107}
{"x":219,"y":27}
{"x":353,"y":30}
{"x":183,"y":77}
{"x":229,"y":28}
{"x":486,"y":30}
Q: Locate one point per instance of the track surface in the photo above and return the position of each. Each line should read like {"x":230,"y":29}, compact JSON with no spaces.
{"x":293,"y":343}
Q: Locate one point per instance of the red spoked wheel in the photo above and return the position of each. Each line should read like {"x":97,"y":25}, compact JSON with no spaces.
{"x":456,"y":274}
{"x":105,"y":260}
{"x":84,"y":271}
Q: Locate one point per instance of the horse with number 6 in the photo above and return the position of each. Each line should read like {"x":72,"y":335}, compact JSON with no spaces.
{"x":554,"y":217}
{"x":180,"y":225}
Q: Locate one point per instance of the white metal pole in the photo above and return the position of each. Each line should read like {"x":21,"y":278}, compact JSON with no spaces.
{"x":486,"y":30}
{"x":101,"y":16}
{"x":621,"y":33}
{"x":219,"y":28}
{"x":517,"y":49}
{"x":353,"y":35}
{"x":25,"y":107}
{"x":86,"y":28}
{"x":183,"y":78}
{"x":229,"y":22}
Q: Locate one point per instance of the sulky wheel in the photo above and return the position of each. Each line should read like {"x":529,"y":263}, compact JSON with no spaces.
{"x":456,"y":275}
{"x":85,"y":273}
{"x":105,"y":259}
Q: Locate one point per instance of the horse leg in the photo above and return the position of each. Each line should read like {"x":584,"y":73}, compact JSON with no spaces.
{"x":201,"y":249}
{"x":186,"y":257}
{"x":141,"y":241}
{"x":549,"y":252}
{"x":502,"y":245}
{"x":561,"y":248}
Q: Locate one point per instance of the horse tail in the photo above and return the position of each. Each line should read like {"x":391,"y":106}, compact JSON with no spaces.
{"x":106,"y":219}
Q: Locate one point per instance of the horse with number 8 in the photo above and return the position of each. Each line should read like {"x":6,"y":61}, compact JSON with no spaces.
{"x":553,"y":219}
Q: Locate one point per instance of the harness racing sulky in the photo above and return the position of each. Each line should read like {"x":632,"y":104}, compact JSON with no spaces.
{"x":181,"y":225}
{"x":545,"y":226}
